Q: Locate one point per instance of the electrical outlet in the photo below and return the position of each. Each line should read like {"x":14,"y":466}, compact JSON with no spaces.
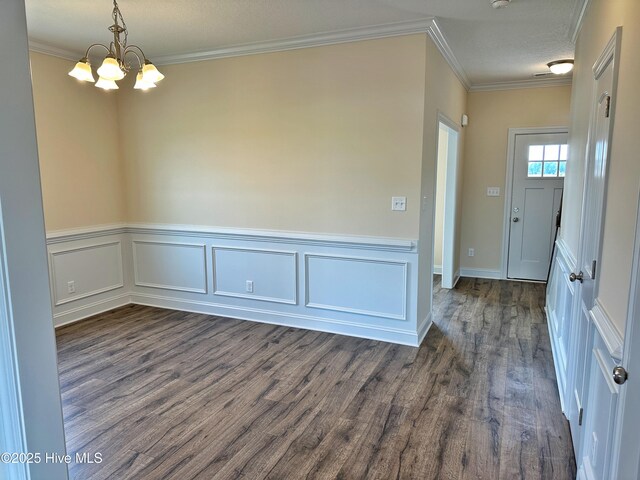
{"x":472,"y":252}
{"x":249,"y":286}
{"x":71,"y":287}
{"x":399,"y":203}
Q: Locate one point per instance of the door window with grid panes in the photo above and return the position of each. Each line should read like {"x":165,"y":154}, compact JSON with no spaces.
{"x":548,"y":161}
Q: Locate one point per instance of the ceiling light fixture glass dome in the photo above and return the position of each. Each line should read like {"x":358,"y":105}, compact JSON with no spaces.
{"x":560,"y":67}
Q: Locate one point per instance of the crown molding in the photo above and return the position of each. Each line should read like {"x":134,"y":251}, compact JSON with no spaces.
{"x":515,"y":85}
{"x":436,"y":35}
{"x":303,"y":41}
{"x":41,"y":47}
{"x":577,"y":18}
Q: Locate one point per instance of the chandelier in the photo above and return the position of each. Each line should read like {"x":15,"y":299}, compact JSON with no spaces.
{"x":115,"y":66}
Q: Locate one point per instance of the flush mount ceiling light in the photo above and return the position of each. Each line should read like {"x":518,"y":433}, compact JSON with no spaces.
{"x":499,"y":3}
{"x":560,"y":67}
{"x":115,"y":66}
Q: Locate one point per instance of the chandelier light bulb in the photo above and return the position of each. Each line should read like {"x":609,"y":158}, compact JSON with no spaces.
{"x":110,"y":69}
{"x":150,"y":73}
{"x":141,"y":83}
{"x":106,"y":84}
{"x":82,"y":71}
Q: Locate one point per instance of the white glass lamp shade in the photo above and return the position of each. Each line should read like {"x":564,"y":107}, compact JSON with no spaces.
{"x":110,"y":69}
{"x":560,"y":67}
{"x":141,"y":84}
{"x":106,"y":84}
{"x":82,"y":71}
{"x":150,"y":73}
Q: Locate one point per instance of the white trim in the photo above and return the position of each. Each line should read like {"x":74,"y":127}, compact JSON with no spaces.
{"x":424,"y":328}
{"x":481,"y":273}
{"x":138,"y":283}
{"x":438,"y":38}
{"x":337,"y":308}
{"x":560,"y":375}
{"x":437,"y":269}
{"x":320,"y":239}
{"x":347,"y":241}
{"x":508,"y":185}
{"x":303,"y":41}
{"x":72,"y":234}
{"x":567,"y":255}
{"x":610,"y":53}
{"x":426,"y":25}
{"x":611,"y":337}
{"x":11,"y":413}
{"x":450,"y":197}
{"x":81,"y":313}
{"x":519,"y":84}
{"x":222,"y":293}
{"x":603,"y":363}
{"x":296,"y":320}
{"x":577,"y":18}
{"x":52,"y":254}
{"x":456,"y":278}
{"x":46,"y":49}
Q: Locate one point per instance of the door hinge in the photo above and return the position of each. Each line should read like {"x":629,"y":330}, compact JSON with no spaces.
{"x":593,"y":269}
{"x":607,"y":107}
{"x":580,"y":416}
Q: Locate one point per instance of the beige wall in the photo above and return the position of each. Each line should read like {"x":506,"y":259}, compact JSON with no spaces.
{"x":82,"y":182}
{"x":447,"y":95}
{"x":602,"y":18}
{"x":491,"y":114}
{"x":313,"y":140}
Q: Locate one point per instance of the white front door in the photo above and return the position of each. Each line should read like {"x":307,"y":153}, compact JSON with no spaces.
{"x":538,"y":180}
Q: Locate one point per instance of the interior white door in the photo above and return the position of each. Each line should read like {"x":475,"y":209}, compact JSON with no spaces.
{"x":594,"y":392}
{"x":536,"y":194}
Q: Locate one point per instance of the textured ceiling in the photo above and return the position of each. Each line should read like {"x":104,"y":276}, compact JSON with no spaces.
{"x":509,"y":44}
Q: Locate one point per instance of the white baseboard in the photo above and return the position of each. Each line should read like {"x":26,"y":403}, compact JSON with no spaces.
{"x":385,"y":334}
{"x":481,"y":273}
{"x":437,"y":269}
{"x":85,"y":311}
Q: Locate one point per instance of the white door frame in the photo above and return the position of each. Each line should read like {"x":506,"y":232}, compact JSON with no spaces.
{"x":449,"y":275}
{"x":11,"y":434}
{"x":508,"y":185}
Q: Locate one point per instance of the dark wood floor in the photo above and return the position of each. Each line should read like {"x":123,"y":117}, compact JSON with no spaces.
{"x":173,"y":395}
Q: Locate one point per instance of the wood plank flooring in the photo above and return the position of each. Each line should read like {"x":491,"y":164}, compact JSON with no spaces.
{"x":174,"y":395}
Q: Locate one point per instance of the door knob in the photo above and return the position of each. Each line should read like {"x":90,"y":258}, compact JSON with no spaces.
{"x":620,"y":375}
{"x":516,"y":219}
{"x":573,"y":277}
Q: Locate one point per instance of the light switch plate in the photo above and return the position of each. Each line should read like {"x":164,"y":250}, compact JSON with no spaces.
{"x":493,"y":191}
{"x":399,"y":203}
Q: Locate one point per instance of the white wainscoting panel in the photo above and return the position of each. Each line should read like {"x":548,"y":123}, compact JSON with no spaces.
{"x":170,"y":265}
{"x":274,"y":274}
{"x":93,"y":269}
{"x":559,"y":309}
{"x":357,"y":285}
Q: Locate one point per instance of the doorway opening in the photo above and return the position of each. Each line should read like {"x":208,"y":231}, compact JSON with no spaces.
{"x":445,"y":242}
{"x":536,"y":167}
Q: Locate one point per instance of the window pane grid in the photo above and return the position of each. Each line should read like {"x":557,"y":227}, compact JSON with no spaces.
{"x":547,"y":161}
